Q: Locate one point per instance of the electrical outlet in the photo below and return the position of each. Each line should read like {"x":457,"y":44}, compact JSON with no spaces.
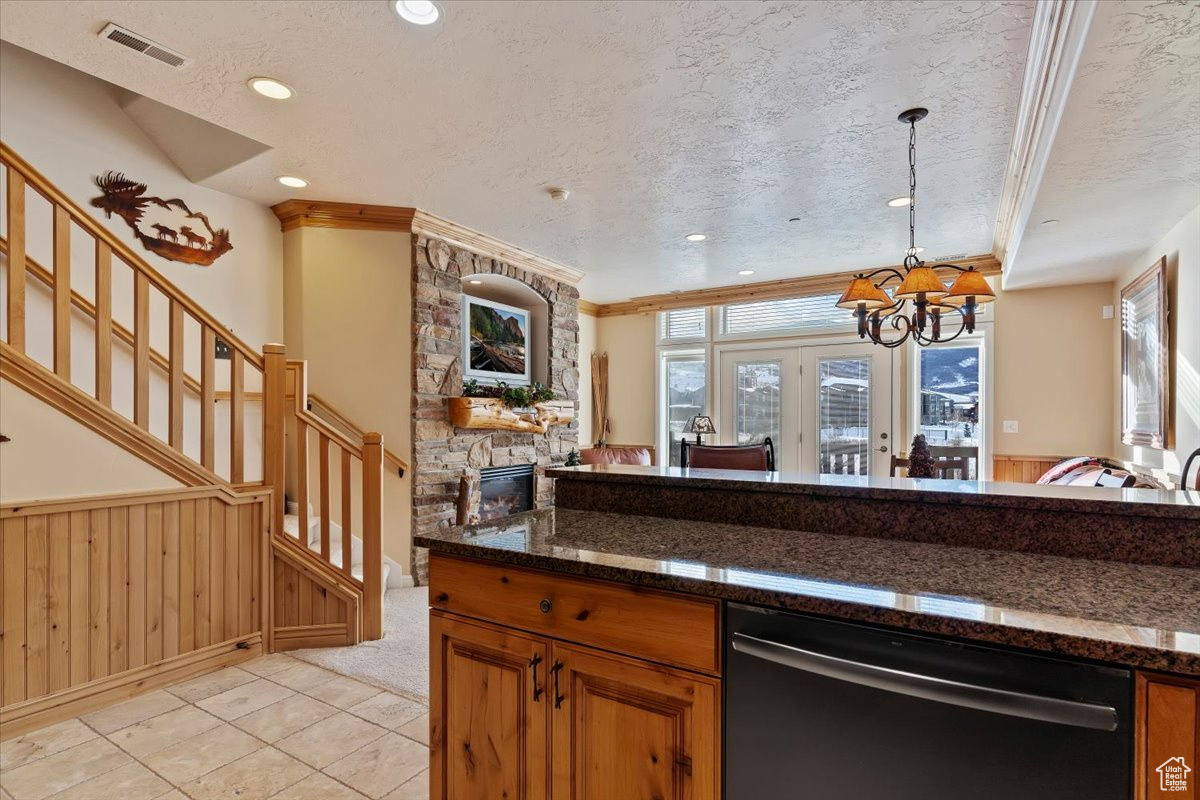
{"x":1010,"y":426}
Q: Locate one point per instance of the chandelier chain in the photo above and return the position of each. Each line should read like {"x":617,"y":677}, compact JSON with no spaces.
{"x":912,"y":188}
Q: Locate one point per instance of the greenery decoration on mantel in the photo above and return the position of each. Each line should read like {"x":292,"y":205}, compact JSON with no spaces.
{"x":511,"y":396}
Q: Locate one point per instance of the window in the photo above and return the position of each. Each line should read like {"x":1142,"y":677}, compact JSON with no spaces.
{"x":947,"y":402}
{"x":684,"y":394}
{"x":757,"y":410}
{"x":844,"y":416}
{"x":793,"y":314}
{"x":683,"y":324}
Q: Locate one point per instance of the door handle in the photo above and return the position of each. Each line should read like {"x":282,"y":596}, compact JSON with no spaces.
{"x":927,"y":687}
{"x":883,"y":449}
{"x":558,"y":698}
{"x":533,"y":665}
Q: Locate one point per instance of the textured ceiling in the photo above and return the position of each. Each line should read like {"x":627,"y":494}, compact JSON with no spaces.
{"x":1125,"y":165}
{"x":662,"y":118}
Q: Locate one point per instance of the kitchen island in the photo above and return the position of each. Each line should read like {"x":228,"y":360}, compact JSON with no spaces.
{"x":566,"y":639}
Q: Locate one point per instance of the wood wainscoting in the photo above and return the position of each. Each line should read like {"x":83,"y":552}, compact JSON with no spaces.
{"x":107,"y":597}
{"x":313,"y":607}
{"x":1022,"y":469}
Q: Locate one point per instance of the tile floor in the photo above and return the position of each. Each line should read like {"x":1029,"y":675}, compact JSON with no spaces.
{"x":274,"y":727}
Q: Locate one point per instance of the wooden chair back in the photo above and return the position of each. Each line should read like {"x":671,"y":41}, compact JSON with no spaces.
{"x":941,"y":466}
{"x":758,"y":457}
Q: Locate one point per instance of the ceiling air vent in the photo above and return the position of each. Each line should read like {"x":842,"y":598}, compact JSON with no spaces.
{"x":135,"y":41}
{"x":954,"y":257}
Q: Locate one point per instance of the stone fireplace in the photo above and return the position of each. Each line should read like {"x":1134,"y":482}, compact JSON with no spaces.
{"x":445,"y":457}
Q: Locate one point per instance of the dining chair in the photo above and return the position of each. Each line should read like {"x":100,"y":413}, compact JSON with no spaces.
{"x":760,"y":457}
{"x":941,"y":466}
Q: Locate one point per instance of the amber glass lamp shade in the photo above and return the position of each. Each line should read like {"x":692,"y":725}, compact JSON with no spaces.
{"x":921,"y":280}
{"x":862,"y":291}
{"x":969,"y":284}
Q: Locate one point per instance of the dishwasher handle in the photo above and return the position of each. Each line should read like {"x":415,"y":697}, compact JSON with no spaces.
{"x":926,"y":687}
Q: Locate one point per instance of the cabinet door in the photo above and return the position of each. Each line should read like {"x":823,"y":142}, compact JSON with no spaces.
{"x":489,"y":712}
{"x":626,"y":729}
{"x":1168,"y":737}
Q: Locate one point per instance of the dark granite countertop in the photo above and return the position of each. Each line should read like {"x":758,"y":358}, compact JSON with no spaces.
{"x":1130,"y":614}
{"x":1140,"y":502}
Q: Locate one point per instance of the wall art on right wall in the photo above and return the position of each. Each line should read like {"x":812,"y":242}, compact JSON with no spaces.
{"x":1145,"y":389}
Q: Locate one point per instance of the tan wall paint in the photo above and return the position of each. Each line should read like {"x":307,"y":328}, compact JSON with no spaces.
{"x":52,"y":455}
{"x":1181,"y":246}
{"x":71,"y":127}
{"x":587,"y":346}
{"x":349,"y":310}
{"x":1053,"y":371}
{"x":630,"y":344}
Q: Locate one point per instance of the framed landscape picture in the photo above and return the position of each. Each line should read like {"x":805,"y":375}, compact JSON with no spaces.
{"x":495,"y":341}
{"x":1144,"y":352}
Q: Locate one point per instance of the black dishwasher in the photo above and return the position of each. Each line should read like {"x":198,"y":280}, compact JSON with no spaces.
{"x":824,"y":710}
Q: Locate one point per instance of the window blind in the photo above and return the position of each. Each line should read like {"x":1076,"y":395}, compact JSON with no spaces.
{"x":684,"y":323}
{"x":814,"y":312}
{"x":817,"y":312}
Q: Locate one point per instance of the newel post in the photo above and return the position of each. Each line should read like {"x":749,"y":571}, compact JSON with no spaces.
{"x":274,"y":428}
{"x":372,"y":494}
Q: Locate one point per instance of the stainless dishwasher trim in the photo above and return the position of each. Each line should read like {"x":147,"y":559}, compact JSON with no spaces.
{"x":981,"y":698}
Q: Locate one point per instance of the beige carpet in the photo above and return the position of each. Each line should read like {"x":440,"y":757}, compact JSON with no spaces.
{"x":400,"y":660}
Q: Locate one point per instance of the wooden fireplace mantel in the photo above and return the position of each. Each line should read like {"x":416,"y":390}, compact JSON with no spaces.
{"x":491,"y":413}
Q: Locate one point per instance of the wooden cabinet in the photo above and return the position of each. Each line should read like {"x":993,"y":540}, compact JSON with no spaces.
{"x":1168,"y":736}
{"x":627,"y":729}
{"x":489,"y":712}
{"x":518,"y":713}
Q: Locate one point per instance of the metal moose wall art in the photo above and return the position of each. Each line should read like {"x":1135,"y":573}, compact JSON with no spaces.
{"x":171,"y":240}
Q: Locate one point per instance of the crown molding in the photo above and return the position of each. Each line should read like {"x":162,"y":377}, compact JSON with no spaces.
{"x":765,"y":290}
{"x":589,"y":308}
{"x":1060,"y":29}
{"x":294,"y":214}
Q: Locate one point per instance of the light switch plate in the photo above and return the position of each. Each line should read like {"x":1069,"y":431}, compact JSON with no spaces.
{"x":1010,"y":426}
{"x":1108,"y":312}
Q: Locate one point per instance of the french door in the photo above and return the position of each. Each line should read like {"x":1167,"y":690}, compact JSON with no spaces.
{"x":826,"y":408}
{"x":846,"y":409}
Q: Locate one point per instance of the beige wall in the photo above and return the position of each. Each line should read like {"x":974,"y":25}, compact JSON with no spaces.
{"x":587,"y":346}
{"x":1053,"y":371}
{"x":52,"y":455}
{"x":630,"y":344}
{"x":71,"y":128}
{"x":349,"y":308}
{"x":1181,"y":246}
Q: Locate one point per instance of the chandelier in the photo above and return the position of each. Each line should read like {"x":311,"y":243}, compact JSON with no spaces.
{"x":931,"y":301}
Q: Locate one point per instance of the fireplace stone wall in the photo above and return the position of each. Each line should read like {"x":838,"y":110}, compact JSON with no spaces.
{"x":443,"y":454}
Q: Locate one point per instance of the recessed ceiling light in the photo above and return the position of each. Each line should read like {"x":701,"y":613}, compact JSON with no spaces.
{"x":269,"y":87}
{"x":292,"y":182}
{"x":899,"y":202}
{"x":695,"y":237}
{"x":1049,"y":222}
{"x":745,"y":272}
{"x":418,"y":12}
{"x":475,"y":281}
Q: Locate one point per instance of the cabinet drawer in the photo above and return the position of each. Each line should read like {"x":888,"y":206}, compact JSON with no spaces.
{"x":644,"y":623}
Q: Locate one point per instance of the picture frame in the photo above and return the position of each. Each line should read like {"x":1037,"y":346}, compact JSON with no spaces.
{"x":1145,"y":372}
{"x":495,"y":342}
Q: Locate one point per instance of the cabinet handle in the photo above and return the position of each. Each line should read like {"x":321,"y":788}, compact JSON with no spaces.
{"x":558,"y":698}
{"x":533,"y":665}
{"x":545,"y":605}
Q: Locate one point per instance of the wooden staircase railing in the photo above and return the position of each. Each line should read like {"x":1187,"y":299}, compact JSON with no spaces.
{"x":111,"y":253}
{"x":189,"y":374}
{"x":363,"y":457}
